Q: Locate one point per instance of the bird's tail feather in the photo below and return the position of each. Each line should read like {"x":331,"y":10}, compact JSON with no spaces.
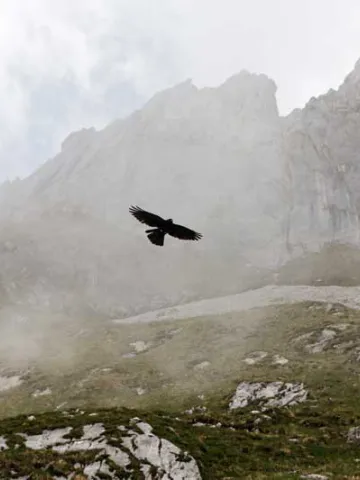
{"x":156,"y":236}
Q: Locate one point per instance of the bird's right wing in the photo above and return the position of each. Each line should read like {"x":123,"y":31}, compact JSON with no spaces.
{"x":148,"y":218}
{"x":183,"y":233}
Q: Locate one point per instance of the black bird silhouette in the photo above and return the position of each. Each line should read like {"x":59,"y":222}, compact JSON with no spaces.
{"x":162,"y":227}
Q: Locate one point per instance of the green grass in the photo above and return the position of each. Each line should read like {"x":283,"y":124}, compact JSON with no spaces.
{"x":308,"y":438}
{"x":167,"y":370}
{"x":246,"y":451}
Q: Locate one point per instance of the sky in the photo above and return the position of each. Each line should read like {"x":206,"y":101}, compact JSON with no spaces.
{"x":81,"y":63}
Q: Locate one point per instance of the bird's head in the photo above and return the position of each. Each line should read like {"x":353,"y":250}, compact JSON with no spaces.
{"x":170,"y":220}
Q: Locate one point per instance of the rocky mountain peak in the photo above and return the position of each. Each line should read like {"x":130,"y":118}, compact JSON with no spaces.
{"x":353,"y":78}
{"x":78,"y":139}
{"x":251,"y":94}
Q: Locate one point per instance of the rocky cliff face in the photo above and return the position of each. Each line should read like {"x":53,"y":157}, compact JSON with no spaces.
{"x":321,"y":167}
{"x":205,"y":157}
{"x":261,"y":189}
{"x":199,"y":145}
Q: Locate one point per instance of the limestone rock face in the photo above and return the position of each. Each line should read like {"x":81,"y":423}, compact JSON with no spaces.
{"x":262,"y":189}
{"x":204,"y":157}
{"x":321,"y":172}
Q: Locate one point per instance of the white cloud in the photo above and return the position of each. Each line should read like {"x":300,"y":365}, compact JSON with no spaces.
{"x":307,"y":47}
{"x":76,"y":63}
{"x":70,"y":64}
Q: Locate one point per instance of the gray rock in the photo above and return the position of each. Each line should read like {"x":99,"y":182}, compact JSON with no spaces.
{"x":314,"y":476}
{"x":3,"y":444}
{"x":150,"y":450}
{"x":323,"y":340}
{"x":272,"y":394}
{"x":255,"y":357}
{"x":279,"y":360}
{"x":353,"y":435}
{"x":202,"y":365}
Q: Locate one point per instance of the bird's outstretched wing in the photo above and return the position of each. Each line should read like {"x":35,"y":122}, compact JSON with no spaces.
{"x":183,"y":233}
{"x":148,"y":218}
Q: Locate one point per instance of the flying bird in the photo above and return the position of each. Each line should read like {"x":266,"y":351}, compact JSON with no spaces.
{"x":162,"y":227}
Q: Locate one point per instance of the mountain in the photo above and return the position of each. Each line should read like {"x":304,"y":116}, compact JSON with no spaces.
{"x":190,"y":154}
{"x":261,"y":384}
{"x":261,"y":188}
{"x":321,"y":167}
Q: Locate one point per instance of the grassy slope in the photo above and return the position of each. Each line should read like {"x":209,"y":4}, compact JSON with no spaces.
{"x":167,"y":370}
{"x":317,"y":428}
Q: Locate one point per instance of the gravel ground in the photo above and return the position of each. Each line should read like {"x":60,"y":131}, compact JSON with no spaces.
{"x":269,"y":295}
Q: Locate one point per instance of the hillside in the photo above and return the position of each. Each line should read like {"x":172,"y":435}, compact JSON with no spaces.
{"x":174,"y":353}
{"x":269,"y":392}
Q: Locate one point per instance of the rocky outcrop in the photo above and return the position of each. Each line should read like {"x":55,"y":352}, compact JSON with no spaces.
{"x":138,"y":452}
{"x":268,"y":394}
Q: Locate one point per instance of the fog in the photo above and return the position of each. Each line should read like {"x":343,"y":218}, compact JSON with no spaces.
{"x":220,"y":154}
{"x":85,"y":63}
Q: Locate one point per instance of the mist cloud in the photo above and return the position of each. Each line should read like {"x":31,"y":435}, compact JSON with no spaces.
{"x":82,"y":63}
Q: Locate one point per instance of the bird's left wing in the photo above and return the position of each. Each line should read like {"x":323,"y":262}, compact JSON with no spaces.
{"x":183,"y":233}
{"x":148,"y":218}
